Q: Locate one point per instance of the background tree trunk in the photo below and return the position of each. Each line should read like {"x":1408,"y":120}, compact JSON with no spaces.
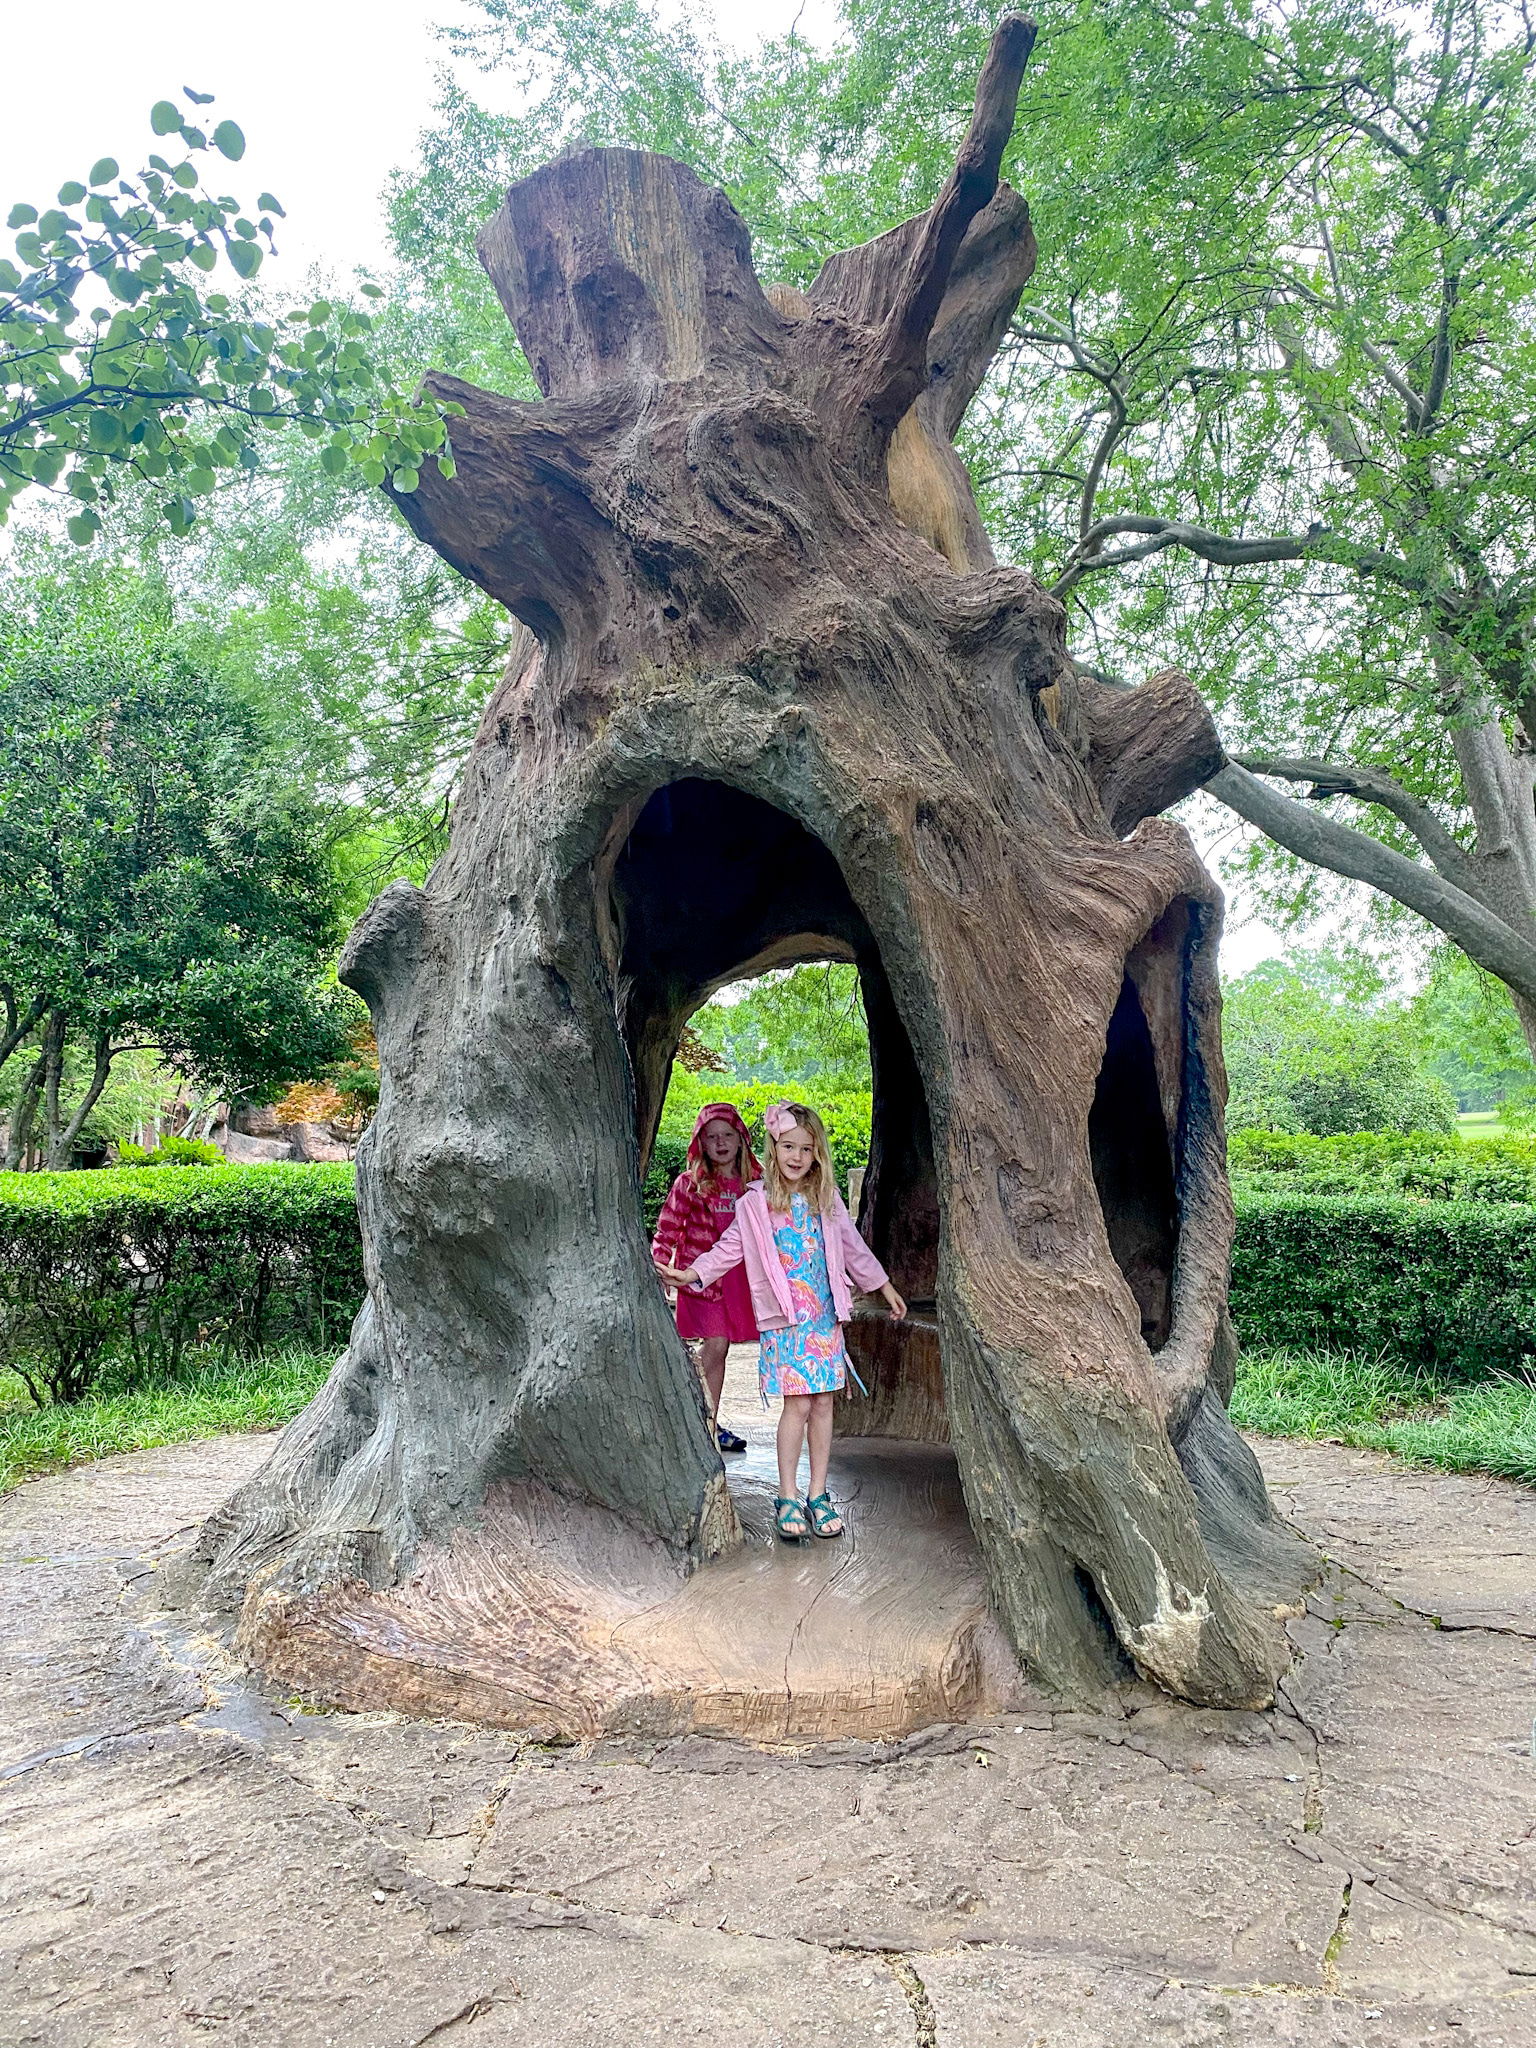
{"x":779,"y":702}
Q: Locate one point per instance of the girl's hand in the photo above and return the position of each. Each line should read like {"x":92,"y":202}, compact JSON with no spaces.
{"x":893,"y":1302}
{"x":677,"y":1279}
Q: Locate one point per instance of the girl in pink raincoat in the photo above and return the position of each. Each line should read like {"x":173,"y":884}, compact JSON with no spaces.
{"x":697,"y":1212}
{"x":802,"y":1257}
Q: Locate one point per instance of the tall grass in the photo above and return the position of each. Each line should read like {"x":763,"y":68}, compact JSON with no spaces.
{"x":1489,"y":1426}
{"x":206,"y":1396}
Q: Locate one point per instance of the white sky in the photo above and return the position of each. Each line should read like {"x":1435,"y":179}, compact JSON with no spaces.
{"x":331,"y":95}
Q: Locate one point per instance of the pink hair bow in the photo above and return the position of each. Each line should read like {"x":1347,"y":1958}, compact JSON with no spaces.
{"x":778,"y":1118}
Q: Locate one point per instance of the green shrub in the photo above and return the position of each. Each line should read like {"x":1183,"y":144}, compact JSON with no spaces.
{"x":171,"y":1152}
{"x":1446,"y":1286}
{"x":139,"y":1265}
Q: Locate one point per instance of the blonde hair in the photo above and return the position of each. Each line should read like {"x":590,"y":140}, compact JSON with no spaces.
{"x":820,"y":1185}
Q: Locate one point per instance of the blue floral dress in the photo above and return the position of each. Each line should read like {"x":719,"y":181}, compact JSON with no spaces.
{"x":809,"y":1357}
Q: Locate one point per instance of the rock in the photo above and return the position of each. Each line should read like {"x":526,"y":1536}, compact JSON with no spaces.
{"x":256,"y":1121}
{"x":314,"y":1143}
{"x":241,"y":1150}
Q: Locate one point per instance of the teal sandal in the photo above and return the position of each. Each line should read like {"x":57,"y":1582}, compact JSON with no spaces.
{"x":789,"y":1520}
{"x":821,"y":1511}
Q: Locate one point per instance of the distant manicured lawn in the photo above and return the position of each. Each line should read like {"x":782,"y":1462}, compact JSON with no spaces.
{"x":1485,"y":1123}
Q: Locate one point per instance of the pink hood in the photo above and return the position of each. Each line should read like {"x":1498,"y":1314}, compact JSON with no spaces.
{"x":728,"y":1113}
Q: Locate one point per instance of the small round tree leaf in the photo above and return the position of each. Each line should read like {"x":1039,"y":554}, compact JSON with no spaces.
{"x":165,"y":117}
{"x":229,"y":141}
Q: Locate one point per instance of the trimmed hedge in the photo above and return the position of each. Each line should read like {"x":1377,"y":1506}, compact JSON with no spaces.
{"x":139,"y":1264}
{"x":1447,"y":1286}
{"x":1424,"y":1163}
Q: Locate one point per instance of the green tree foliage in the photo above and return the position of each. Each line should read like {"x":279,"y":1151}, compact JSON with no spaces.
{"x":802,"y":1028}
{"x":1310,"y":1046}
{"x":156,"y":887}
{"x":117,"y":359}
{"x":1469,"y":1035}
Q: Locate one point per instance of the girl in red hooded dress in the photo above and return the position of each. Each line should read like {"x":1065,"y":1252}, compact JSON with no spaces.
{"x":695,"y":1216}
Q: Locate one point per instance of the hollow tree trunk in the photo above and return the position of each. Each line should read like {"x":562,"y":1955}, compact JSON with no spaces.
{"x":779,"y":702}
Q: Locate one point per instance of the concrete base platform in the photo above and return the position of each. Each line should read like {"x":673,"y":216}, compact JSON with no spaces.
{"x":553,"y":1616}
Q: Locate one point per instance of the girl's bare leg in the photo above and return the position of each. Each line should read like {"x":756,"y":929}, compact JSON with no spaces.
{"x":792,"y":1420}
{"x":712,"y":1368}
{"x":819,"y":1437}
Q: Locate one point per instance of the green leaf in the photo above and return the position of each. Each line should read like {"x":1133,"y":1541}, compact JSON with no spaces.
{"x":21,"y":216}
{"x":83,"y":528}
{"x":245,"y":256}
{"x":10,"y":276}
{"x":104,"y":170}
{"x":333,"y":459}
{"x":198,"y":99}
{"x":319,"y":312}
{"x":405,"y":479}
{"x":445,"y":467}
{"x":267,"y":204}
{"x":165,"y":117}
{"x":104,"y":431}
{"x":72,"y":192}
{"x":229,"y":141}
{"x":204,"y":255}
{"x":372,"y":291}
{"x":373,"y":472}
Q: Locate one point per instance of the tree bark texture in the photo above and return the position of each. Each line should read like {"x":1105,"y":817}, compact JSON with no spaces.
{"x":777,"y":701}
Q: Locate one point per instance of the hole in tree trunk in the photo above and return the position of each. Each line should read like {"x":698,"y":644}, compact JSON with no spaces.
{"x":711,"y":886}
{"x":1133,"y":1164}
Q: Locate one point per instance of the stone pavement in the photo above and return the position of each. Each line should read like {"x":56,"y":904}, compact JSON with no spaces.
{"x":188,"y":1858}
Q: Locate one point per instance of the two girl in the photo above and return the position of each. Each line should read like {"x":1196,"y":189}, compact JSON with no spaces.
{"x":802,"y":1257}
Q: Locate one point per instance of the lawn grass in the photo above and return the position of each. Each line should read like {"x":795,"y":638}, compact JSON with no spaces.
{"x":1486,"y":1123}
{"x":1488,"y":1426}
{"x":207,"y":1398}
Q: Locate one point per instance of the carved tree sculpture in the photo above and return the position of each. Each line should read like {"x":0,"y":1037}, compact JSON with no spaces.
{"x":778,"y":701}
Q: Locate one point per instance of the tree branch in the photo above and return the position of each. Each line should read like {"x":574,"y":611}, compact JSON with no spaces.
{"x":1085,"y":559}
{"x":19,"y":1027}
{"x":903,"y":353}
{"x":64,"y":1144}
{"x":1343,"y":850}
{"x":1349,"y":778}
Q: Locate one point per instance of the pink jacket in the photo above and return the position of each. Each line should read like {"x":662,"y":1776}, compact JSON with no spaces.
{"x":749,"y":1241}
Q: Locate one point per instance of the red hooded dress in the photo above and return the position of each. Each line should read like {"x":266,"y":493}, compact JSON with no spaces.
{"x":695,"y":1216}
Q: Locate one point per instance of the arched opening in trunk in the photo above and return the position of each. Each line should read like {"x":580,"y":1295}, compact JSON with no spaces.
{"x":710,"y":886}
{"x":1133,"y":1166}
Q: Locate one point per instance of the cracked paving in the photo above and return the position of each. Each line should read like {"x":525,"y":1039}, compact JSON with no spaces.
{"x":188,"y":1857}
